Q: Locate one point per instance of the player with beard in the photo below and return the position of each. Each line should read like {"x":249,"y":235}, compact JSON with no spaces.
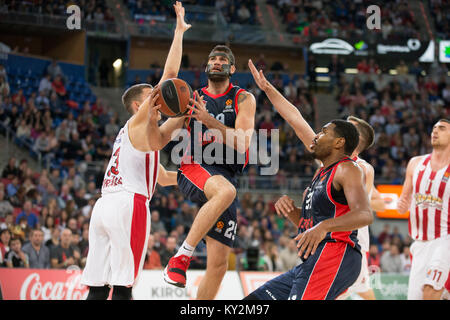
{"x":221,"y":123}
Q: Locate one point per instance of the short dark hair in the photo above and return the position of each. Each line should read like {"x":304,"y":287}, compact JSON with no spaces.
{"x":444,"y":120}
{"x":366,"y":132}
{"x":227,"y":50}
{"x":346,"y":130}
{"x":132,"y":93}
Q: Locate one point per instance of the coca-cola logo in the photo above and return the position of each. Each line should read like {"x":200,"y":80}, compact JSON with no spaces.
{"x":70,"y":289}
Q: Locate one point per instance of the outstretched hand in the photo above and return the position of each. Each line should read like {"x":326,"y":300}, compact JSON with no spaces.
{"x":150,"y":103}
{"x":181,"y":24}
{"x":259,"y":77}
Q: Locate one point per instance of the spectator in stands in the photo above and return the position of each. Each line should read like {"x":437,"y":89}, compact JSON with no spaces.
{"x":63,"y":255}
{"x":47,"y":227}
{"x":390,"y":260}
{"x":45,"y":83}
{"x":15,"y":257}
{"x":385,"y":234}
{"x":289,"y":255}
{"x":271,"y":258}
{"x":5,"y":206}
{"x":55,"y":70}
{"x":4,"y":86}
{"x":31,"y":218}
{"x":53,"y":242}
{"x":152,"y":257}
{"x":38,"y":253}
{"x":11,"y":169}
{"x":169,"y":250}
{"x":5,"y":238}
{"x":58,"y":87}
{"x":405,"y":258}
{"x":374,"y":256}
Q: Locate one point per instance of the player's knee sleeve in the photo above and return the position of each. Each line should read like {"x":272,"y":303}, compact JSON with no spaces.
{"x":121,"y":293}
{"x":98,"y":293}
{"x":251,"y":296}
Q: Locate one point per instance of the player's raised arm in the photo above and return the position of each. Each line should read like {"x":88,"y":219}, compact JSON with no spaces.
{"x":173,"y":61}
{"x":407,"y":190}
{"x":350,"y":177}
{"x":286,"y":109}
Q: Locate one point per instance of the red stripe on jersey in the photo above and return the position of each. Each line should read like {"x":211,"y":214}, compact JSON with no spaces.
{"x":425,"y":211}
{"x":138,"y":230}
{"x":340,"y":209}
{"x":196,"y":174}
{"x":155,"y":172}
{"x":325,"y":271}
{"x":214,"y":96}
{"x":438,"y":214}
{"x":147,"y":173}
{"x":417,"y":187}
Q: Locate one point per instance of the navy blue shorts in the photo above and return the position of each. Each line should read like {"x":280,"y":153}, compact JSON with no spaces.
{"x":191,"y":179}
{"x":328,"y":273}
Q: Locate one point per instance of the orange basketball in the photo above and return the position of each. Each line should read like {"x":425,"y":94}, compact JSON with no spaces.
{"x":174,"y":95}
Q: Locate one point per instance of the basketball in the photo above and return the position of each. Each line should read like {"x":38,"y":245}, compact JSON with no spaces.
{"x":174,"y":95}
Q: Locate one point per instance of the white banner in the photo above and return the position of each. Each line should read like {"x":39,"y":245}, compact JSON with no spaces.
{"x":151,"y":286}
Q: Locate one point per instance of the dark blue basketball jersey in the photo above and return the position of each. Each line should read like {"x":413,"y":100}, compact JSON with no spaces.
{"x":322,"y":202}
{"x":223,"y":107}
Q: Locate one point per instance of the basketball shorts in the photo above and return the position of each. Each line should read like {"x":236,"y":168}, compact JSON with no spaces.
{"x":333,"y":268}
{"x":118,"y":236}
{"x":362,"y":284}
{"x":191,"y":180}
{"x":430,"y":266}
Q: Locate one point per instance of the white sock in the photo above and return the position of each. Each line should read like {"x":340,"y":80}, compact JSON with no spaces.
{"x":185,"y":249}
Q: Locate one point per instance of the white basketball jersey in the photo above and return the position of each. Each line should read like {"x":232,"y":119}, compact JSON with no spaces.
{"x":129,"y":169}
{"x":363,"y":233}
{"x":428,"y":214}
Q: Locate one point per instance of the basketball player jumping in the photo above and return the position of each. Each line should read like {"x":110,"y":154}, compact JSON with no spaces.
{"x":120,"y":222}
{"x":426,"y":194}
{"x":335,"y":204}
{"x":222,"y":118}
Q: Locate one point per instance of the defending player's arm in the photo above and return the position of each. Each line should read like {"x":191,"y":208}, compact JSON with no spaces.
{"x":166,"y":178}
{"x":147,"y":116}
{"x":239,"y":137}
{"x":173,"y":61}
{"x":350,"y":178}
{"x":286,"y":109}
{"x":405,"y":198}
{"x":376,"y":201}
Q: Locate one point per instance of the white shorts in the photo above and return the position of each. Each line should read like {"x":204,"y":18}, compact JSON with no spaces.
{"x":430,"y":266}
{"x":118,"y":237}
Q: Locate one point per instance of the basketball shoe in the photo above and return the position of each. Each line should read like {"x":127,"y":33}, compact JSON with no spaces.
{"x":175,"y":271}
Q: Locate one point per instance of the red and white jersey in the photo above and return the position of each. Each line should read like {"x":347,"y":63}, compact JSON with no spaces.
{"x":129,"y":169}
{"x":363,"y":233}
{"x":428,"y":214}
